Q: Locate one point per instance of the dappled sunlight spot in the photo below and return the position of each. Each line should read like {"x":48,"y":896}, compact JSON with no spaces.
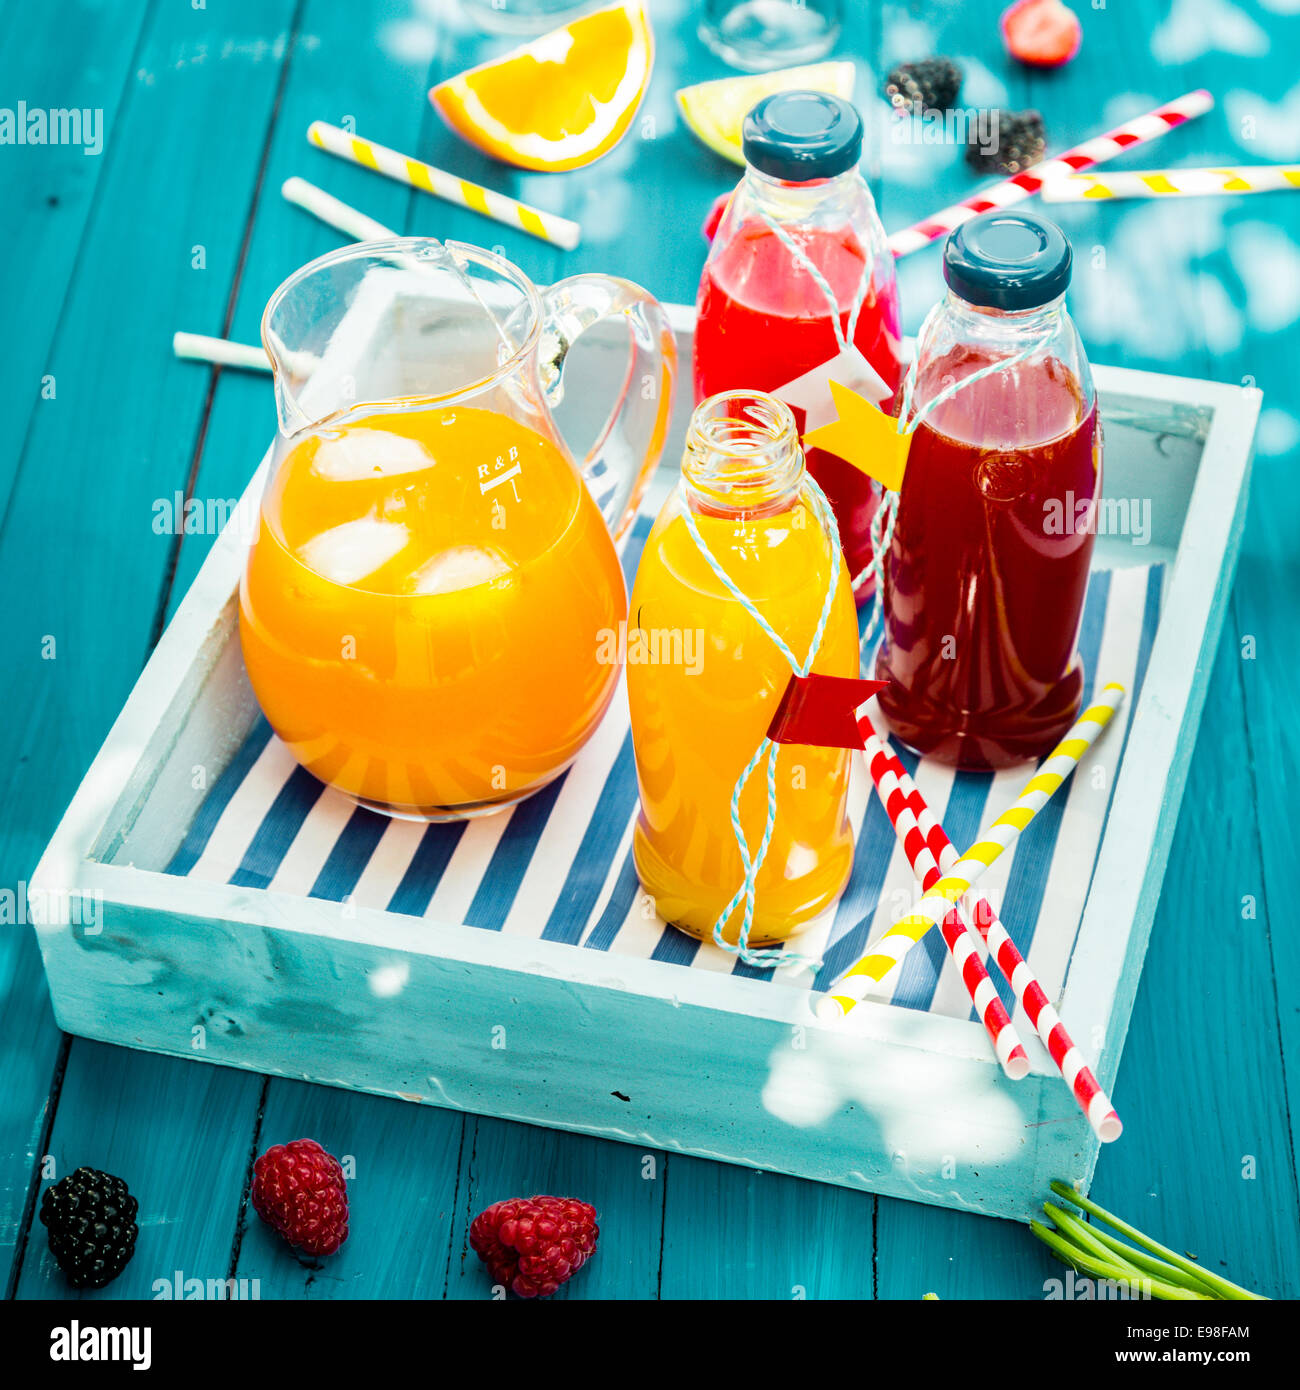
{"x":1123,"y":106}
{"x":812,"y":1079}
{"x":605,"y":213}
{"x":1268,"y":263}
{"x":981,"y":86}
{"x":1221,"y":320}
{"x":800,"y":1088}
{"x":909,"y":38}
{"x":386,"y":981}
{"x":450,"y":15}
{"x":1278,"y":432}
{"x":1265,"y":129}
{"x":1196,"y":27}
{"x":415,"y":39}
{"x":409,"y":41}
{"x":912,"y":150}
{"x":920,"y":284}
{"x":1147,"y":259}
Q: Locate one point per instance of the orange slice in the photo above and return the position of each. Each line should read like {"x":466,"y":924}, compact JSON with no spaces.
{"x":562,"y":100}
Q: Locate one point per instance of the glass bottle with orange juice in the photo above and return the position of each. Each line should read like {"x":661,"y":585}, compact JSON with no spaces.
{"x":423,"y":606}
{"x":696,"y":726}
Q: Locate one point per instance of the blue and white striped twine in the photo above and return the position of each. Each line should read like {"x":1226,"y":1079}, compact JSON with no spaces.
{"x":767,"y":958}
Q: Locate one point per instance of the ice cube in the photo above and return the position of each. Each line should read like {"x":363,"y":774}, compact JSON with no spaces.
{"x":347,"y":553}
{"x":355,"y":454}
{"x":461,"y":567}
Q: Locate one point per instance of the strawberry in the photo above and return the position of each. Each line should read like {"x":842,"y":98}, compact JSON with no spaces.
{"x":1042,"y":33}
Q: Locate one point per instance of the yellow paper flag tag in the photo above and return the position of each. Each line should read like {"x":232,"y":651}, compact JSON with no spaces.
{"x":864,"y":436}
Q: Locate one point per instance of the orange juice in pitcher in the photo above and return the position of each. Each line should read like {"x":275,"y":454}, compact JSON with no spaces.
{"x":423,"y":609}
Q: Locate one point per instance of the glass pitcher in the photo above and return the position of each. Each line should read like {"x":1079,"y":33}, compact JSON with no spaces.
{"x":427,"y":609}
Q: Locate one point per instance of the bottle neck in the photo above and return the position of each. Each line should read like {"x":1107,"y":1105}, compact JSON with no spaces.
{"x":794,"y":202}
{"x":742,"y":456}
{"x":1012,"y":328}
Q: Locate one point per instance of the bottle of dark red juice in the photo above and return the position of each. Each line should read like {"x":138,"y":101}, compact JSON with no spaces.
{"x":799,"y":288}
{"x":986,"y":574}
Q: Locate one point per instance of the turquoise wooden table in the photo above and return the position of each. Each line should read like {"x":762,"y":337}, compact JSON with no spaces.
{"x":178,"y":224}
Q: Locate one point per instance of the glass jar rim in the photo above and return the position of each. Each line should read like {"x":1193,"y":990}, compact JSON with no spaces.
{"x":397,"y":247}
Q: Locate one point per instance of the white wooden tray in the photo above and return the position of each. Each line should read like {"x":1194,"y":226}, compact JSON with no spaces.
{"x":898,"y":1101}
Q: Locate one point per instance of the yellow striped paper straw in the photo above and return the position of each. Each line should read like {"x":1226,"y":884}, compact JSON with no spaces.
{"x":559,"y":231}
{"x":1170,"y":183}
{"x":861,"y":978}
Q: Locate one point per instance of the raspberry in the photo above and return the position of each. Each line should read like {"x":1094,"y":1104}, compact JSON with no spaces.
{"x":1021,"y":142}
{"x":1042,"y":33}
{"x":929,"y":85}
{"x":91,"y":1220}
{"x":532,"y":1245}
{"x":298,"y":1190}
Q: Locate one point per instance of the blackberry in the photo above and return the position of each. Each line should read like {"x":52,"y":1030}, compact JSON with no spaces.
{"x":91,"y":1220}
{"x":930,"y":85}
{"x":1021,"y":141}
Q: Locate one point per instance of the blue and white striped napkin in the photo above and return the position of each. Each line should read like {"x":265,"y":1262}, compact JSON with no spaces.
{"x":559,"y":865}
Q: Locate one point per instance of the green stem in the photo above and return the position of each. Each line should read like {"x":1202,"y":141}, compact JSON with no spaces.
{"x":1078,"y":1234}
{"x":1138,"y":1268}
{"x":1159,"y":1268}
{"x":1101,"y":1269}
{"x":1107,"y":1247}
{"x":1222,"y":1288}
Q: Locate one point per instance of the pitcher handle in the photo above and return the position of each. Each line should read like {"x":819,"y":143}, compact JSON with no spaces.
{"x":619,"y":464}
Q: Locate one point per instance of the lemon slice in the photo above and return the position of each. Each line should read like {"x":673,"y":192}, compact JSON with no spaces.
{"x":715,"y":110}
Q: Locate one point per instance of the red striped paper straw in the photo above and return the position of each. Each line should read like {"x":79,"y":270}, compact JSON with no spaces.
{"x":931,"y":855}
{"x":960,"y":940}
{"x":1026,"y":183}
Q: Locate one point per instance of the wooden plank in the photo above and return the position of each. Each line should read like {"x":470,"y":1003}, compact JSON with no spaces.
{"x":48,"y":195}
{"x":30,"y":1049}
{"x":623,"y":1183}
{"x":400,"y":1162}
{"x":1210,"y":1003}
{"x":49,"y":191}
{"x":171,"y":1131}
{"x":1261,"y":247}
{"x":1264,"y":638}
{"x":116,"y":435}
{"x":731,"y":1233}
{"x":1205,"y":1162}
{"x":954,"y":1254}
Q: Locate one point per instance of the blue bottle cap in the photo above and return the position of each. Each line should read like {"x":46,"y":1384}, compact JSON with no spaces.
{"x":1007,"y":260}
{"x":798,"y":136}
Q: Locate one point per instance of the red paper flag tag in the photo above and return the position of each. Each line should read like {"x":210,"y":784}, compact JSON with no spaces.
{"x":822,"y":711}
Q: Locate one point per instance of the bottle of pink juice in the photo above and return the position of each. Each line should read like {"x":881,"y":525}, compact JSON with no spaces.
{"x":799,"y":289}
